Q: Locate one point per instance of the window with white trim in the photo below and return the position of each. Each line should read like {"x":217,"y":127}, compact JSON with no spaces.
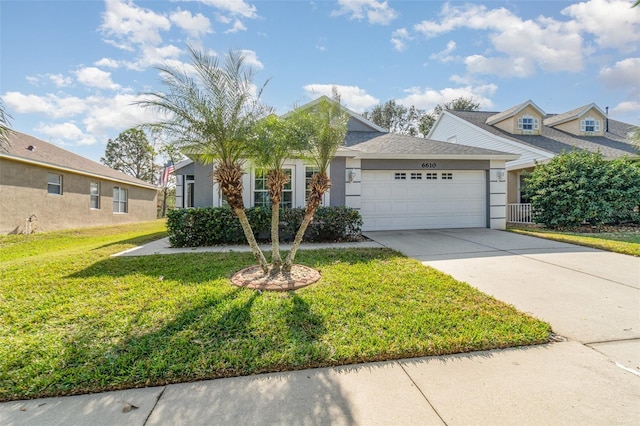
{"x":447,"y":176}
{"x":261,"y":190}
{"x":416,"y":176}
{"x":589,"y":124}
{"x":94,"y":195}
{"x":189,"y":190}
{"x":119,"y":200}
{"x":400,"y":176}
{"x":54,"y":184}
{"x":431,"y":176}
{"x":309,"y":171}
{"x":528,"y":123}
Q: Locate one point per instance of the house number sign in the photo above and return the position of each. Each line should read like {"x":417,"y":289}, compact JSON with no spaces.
{"x":429,"y":165}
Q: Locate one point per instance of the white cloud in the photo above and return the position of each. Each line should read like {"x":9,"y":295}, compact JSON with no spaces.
{"x":444,"y":55}
{"x":251,"y":59}
{"x":627,"y":107}
{"x":522,"y":45}
{"x":376,"y":12}
{"x":624,"y":74}
{"x":194,"y":25}
{"x":399,"y":38}
{"x":60,"y":80}
{"x":428,"y":98}
{"x":117,"y":113}
{"x":352,"y":97}
{"x":107,"y":62}
{"x":64,"y":133}
{"x":95,"y":77}
{"x":235,"y":7}
{"x":612,"y":22}
{"x":238,"y":25}
{"x":132,"y":25}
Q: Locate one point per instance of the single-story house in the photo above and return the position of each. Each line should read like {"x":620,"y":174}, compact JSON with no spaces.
{"x":44,"y":187}
{"x":395,"y":181}
{"x":527,"y":130}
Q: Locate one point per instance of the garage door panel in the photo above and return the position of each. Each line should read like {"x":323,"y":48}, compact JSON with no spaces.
{"x":389,"y":204}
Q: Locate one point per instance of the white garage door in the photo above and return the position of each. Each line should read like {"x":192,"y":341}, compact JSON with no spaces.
{"x":393,"y":200}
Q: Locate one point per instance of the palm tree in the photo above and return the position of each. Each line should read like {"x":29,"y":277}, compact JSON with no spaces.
{"x":210,"y":113}
{"x":325,"y":123}
{"x":274,"y":142}
{"x":4,"y":127}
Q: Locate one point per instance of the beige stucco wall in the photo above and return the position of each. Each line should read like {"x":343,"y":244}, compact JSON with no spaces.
{"x":511,"y":124}
{"x":23,"y":193}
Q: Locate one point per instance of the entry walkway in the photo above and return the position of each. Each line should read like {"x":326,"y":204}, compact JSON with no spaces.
{"x":590,"y":297}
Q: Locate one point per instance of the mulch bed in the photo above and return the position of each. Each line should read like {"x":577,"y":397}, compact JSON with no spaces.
{"x":254,"y":278}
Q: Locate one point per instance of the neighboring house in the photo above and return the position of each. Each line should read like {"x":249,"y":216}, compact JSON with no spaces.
{"x":45,"y":187}
{"x":527,"y":130}
{"x":397,"y":182}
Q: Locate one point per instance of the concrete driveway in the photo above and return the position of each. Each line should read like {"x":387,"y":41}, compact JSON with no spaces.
{"x":587,"y":295}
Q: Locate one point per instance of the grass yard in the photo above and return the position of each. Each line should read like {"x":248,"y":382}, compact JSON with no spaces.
{"x":623,"y":240}
{"x":74,"y":320}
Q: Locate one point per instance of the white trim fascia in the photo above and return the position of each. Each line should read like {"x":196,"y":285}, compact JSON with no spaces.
{"x":520,"y":108}
{"x":380,"y":156}
{"x":582,"y":112}
{"x":433,"y":128}
{"x":538,"y":151}
{"x":75,"y":171}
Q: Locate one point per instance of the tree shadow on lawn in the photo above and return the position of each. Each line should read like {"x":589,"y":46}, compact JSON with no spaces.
{"x":136,"y":241}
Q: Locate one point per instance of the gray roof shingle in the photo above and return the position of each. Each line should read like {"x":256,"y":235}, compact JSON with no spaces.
{"x":614,"y":144}
{"x":48,"y":154}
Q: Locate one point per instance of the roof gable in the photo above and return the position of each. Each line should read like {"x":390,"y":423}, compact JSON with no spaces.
{"x":501,"y":116}
{"x":574,"y":114}
{"x":26,"y":148}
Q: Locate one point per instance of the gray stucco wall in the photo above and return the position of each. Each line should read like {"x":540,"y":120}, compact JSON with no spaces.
{"x":338,"y":179}
{"x":203,"y":196}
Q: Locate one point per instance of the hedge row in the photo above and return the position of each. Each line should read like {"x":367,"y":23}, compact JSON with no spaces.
{"x":216,"y":225}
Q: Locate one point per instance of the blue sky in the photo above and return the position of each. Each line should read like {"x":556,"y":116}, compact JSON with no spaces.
{"x":70,"y":70}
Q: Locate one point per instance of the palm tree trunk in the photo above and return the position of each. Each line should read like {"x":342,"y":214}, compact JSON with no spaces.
{"x":276,"y":259}
{"x":320,"y":183}
{"x":251,"y":239}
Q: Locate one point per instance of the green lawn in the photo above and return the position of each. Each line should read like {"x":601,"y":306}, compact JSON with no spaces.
{"x":622,"y":241}
{"x":74,"y":320}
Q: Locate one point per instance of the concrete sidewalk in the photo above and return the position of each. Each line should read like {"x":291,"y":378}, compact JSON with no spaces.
{"x":590,"y":297}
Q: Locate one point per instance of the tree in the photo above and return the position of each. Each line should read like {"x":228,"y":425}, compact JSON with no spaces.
{"x":325,"y":127}
{"x":211,"y":114}
{"x":395,"y":117}
{"x":582,"y":186}
{"x":131,"y":153}
{"x":275,"y":140}
{"x":4,"y":127}
{"x":459,"y":104}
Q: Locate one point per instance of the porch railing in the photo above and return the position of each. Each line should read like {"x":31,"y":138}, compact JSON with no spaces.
{"x":519,"y":213}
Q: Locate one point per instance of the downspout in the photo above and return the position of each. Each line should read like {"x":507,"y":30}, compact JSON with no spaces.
{"x":606,"y":120}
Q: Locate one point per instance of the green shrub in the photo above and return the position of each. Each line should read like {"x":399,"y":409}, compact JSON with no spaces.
{"x":215,"y":225}
{"x":578,"y":187}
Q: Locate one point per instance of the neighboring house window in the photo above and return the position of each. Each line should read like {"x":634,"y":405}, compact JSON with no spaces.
{"x":189,"y":188}
{"x":54,"y":184}
{"x":416,"y":176}
{"x":528,"y":122}
{"x":309,"y":171}
{"x":400,"y":176}
{"x":119,"y":200}
{"x":94,"y":194}
{"x":589,"y":124}
{"x":447,"y":176}
{"x":261,"y":191}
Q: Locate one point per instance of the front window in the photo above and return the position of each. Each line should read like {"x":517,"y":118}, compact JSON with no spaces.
{"x":589,"y":125}
{"x":528,"y":123}
{"x":119,"y":200}
{"x":190,"y":186}
{"x":54,"y":184}
{"x":94,"y":194}
{"x":261,"y":191}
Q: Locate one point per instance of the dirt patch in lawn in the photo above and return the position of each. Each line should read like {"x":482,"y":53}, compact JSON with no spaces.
{"x":275,"y":280}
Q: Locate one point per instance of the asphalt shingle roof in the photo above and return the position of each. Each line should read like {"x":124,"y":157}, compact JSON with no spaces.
{"x":614,"y":144}
{"x":392,"y":143}
{"x":50,"y":155}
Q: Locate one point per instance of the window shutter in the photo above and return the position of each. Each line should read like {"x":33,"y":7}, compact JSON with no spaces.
{"x":583,"y":125}
{"x":536,"y":125}
{"x":520,"y":123}
{"x":596,"y":125}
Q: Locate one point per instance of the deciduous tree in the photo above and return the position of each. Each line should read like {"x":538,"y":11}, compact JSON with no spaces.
{"x":131,"y":153}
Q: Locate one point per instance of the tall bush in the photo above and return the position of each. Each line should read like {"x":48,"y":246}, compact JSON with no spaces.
{"x":579,"y":186}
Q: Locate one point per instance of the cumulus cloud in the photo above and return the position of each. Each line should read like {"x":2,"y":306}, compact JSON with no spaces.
{"x":234,"y":7}
{"x":95,"y":77}
{"x":623,"y":74}
{"x":51,"y":105}
{"x":238,"y":25}
{"x":194,"y":25}
{"x":376,"y":12}
{"x":130,"y":24}
{"x":444,"y":55}
{"x":66,"y":134}
{"x":399,"y":38}
{"x":107,"y":63}
{"x":522,"y":45}
{"x":428,"y":98}
{"x":352,"y":97}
